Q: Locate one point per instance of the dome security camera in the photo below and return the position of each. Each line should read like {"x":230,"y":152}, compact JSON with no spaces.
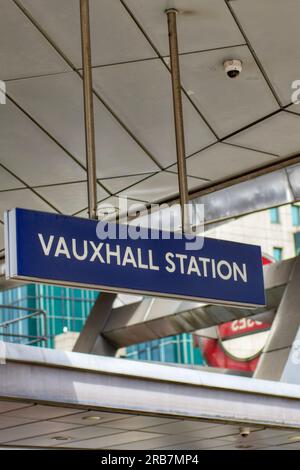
{"x":244,"y":432}
{"x":233,"y":68}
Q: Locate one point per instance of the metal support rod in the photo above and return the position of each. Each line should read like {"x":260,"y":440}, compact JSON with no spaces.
{"x":178,"y":118}
{"x":88,"y":108}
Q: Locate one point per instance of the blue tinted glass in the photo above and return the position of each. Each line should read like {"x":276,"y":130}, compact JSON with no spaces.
{"x":274,"y":215}
{"x":296,"y":216}
{"x":277,"y":253}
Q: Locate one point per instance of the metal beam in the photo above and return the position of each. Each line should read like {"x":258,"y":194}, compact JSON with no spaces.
{"x":157,"y":318}
{"x":90,"y":340}
{"x":178,"y":119}
{"x":76,"y":380}
{"x":283,"y":331}
{"x":88,"y":108}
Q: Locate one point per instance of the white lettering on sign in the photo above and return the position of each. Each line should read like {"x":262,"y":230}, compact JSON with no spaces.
{"x":104,"y":253}
{"x":244,"y":323}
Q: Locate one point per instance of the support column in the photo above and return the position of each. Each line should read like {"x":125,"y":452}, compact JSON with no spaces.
{"x":283,"y":331}
{"x":90,"y":340}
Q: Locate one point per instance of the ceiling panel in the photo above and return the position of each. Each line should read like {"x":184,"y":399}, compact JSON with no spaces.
{"x":11,"y":421}
{"x":278,"y":135}
{"x":114,"y":35}
{"x":162,"y":441}
{"x":272,"y":26}
{"x":205,"y":445}
{"x":91,"y":418}
{"x":40,"y":412}
{"x":139,"y":423}
{"x":32,"y":429}
{"x":24,"y":198}
{"x":262,"y":438}
{"x":201,"y":25}
{"x":67,"y":436}
{"x":27,"y":53}
{"x":69,"y":198}
{"x":7,"y":181}
{"x":294,"y":108}
{"x":159,"y":187}
{"x":182,"y":427}
{"x":30,"y":154}
{"x":11,"y":405}
{"x":227,"y":104}
{"x":56,"y":102}
{"x":115,"y":185}
{"x":285,"y":447}
{"x":141,"y":94}
{"x":108,"y":441}
{"x":223,"y":160}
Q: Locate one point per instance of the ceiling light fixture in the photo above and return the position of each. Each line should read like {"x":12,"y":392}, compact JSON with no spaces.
{"x":60,"y":438}
{"x":91,"y":418}
{"x":294,"y":438}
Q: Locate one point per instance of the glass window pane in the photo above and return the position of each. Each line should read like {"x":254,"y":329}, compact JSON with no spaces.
{"x":296,"y":215}
{"x":274,"y":215}
{"x":277,"y":253}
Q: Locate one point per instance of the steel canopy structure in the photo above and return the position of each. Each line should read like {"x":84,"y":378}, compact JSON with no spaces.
{"x":54,"y":399}
{"x":233,"y":127}
{"x":242,"y":155}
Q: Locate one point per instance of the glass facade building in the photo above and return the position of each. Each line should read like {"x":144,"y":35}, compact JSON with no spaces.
{"x":180,"y":349}
{"x":64,"y":307}
{"x":32,"y":312}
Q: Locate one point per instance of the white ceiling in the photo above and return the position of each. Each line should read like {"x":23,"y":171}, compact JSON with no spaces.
{"x":43,"y":426}
{"x":42,"y":153}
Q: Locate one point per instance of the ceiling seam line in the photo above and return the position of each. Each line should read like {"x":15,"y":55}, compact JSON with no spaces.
{"x":127,"y":176}
{"x":211,"y":49}
{"x":32,"y":77}
{"x":254,"y":123}
{"x":193,"y":154}
{"x":155,"y":57}
{"x":51,"y":137}
{"x":53,"y":185}
{"x":225,"y":183}
{"x":166,"y":66}
{"x":251,"y":149}
{"x":200,"y":178}
{"x":68,"y":61}
{"x":138,"y":182}
{"x":29,"y":187}
{"x":18,"y":188}
{"x":32,"y":119}
{"x":254,"y":55}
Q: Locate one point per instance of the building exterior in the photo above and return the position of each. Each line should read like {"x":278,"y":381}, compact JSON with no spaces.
{"x":276,"y":230}
{"x":66,"y":311}
{"x":180,"y":349}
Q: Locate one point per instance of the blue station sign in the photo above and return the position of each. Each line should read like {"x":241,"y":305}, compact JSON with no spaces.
{"x":57,"y":249}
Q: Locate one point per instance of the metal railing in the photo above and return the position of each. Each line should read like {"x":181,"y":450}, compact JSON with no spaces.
{"x":8,"y":332}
